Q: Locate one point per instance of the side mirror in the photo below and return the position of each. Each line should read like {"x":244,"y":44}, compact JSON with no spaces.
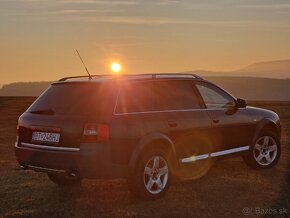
{"x":241,"y":103}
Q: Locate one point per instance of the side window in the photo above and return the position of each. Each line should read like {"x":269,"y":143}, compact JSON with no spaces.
{"x":214,"y":97}
{"x":135,"y":97}
{"x":157,"y":96}
{"x":175,"y":95}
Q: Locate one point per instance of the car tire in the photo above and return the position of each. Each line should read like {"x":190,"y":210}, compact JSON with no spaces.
{"x":64,"y":180}
{"x":151,"y":177}
{"x":265,"y":152}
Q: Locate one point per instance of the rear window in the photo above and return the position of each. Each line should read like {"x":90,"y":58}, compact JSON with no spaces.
{"x":157,"y":96}
{"x":72,"y":99}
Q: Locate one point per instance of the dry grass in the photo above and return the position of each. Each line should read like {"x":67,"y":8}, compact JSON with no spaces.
{"x":228,"y":188}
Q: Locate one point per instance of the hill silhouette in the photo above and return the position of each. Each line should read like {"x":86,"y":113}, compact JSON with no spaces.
{"x":268,"y":69}
{"x":252,"y":88}
{"x":249,"y":88}
{"x":24,"y":88}
{"x":259,"y":81}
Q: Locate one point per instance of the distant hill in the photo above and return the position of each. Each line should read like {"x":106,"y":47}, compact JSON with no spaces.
{"x":249,"y":88}
{"x":270,"y":69}
{"x":24,"y":89}
{"x":252,"y":88}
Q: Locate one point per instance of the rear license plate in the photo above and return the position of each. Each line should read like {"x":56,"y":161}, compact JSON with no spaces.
{"x":45,"y":137}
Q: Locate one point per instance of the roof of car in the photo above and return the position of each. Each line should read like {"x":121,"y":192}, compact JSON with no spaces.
{"x":100,"y":78}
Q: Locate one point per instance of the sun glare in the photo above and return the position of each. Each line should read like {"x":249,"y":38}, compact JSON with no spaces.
{"x":116,"y":67}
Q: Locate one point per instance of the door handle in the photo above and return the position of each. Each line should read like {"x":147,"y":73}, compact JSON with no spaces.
{"x":216,"y":120}
{"x":172,"y":124}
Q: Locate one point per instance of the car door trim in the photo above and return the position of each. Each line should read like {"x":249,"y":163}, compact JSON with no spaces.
{"x":214,"y":154}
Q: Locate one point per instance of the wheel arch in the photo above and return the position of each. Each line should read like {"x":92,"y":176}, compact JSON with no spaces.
{"x":267,"y":125}
{"x":150,"y":141}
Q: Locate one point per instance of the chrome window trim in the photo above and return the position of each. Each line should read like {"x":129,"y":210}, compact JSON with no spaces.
{"x":167,"y":111}
{"x":163,"y":111}
{"x":44,"y":147}
{"x":214,"y":154}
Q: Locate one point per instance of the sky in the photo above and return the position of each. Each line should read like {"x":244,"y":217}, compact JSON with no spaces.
{"x":38,"y":38}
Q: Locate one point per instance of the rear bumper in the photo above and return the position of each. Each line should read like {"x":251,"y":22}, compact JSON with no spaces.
{"x":91,"y":160}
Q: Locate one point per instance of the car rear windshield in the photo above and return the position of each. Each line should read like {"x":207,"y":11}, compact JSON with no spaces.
{"x":71,"y":99}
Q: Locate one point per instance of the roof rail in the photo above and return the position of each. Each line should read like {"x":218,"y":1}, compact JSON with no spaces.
{"x":179,"y":75}
{"x":75,"y":77}
{"x":164,"y":75}
{"x":151,"y":75}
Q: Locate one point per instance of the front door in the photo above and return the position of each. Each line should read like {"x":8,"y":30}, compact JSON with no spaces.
{"x":232,"y":127}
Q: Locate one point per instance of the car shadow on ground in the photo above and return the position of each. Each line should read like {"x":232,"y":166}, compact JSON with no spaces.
{"x":226,"y":190}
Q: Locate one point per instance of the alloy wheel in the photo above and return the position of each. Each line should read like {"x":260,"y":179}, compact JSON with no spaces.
{"x":265,"y":150}
{"x":156,"y":174}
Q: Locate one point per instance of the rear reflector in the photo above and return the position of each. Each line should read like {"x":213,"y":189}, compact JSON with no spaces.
{"x":95,"y":133}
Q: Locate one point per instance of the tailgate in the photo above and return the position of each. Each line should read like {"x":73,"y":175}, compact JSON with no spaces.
{"x":58,"y":130}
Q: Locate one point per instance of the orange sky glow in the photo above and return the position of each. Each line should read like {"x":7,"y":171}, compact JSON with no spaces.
{"x":38,"y":38}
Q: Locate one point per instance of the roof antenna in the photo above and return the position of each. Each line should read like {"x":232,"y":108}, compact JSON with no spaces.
{"x":90,"y":77}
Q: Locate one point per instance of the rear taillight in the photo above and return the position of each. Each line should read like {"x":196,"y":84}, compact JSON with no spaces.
{"x":95,"y":133}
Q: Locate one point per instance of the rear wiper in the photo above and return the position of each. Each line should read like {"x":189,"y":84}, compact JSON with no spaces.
{"x":44,"y":112}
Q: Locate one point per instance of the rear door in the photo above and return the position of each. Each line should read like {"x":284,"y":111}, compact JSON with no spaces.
{"x":232,"y":126}
{"x":188,"y":124}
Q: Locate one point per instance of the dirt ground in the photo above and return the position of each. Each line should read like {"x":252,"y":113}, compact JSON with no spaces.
{"x":230,"y":189}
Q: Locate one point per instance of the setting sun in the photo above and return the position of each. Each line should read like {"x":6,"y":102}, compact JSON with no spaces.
{"x":116,"y":67}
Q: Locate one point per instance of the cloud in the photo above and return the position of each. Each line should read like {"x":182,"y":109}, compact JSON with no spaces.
{"x":69,"y":12}
{"x":73,"y":12}
{"x":139,"y":12}
{"x":167,"y":2}
{"x":266,"y":6}
{"x":142,"y":20}
{"x":99,"y":2}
